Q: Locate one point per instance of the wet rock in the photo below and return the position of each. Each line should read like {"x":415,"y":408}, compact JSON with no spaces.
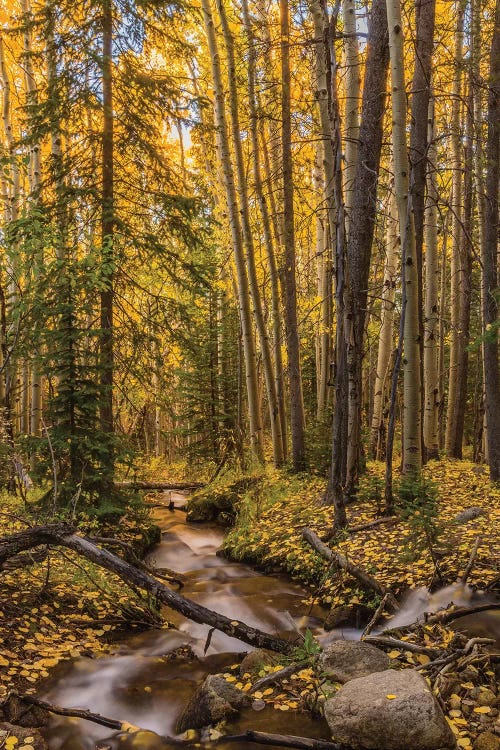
{"x":255,"y":661}
{"x":362,"y":715}
{"x":215,"y":700}
{"x":486,"y":741}
{"x":348,"y":616}
{"x":25,"y":736}
{"x":342,"y":661}
{"x":486,"y":697}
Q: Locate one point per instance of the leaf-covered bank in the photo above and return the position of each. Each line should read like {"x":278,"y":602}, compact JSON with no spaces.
{"x":270,"y":523}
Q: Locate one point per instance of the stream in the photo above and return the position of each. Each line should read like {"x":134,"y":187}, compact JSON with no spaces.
{"x":148,"y":680}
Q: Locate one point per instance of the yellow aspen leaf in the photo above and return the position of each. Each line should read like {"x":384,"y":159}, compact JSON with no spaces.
{"x":268,"y":691}
{"x":11,"y":742}
{"x":482,"y":709}
{"x":126,"y":727}
{"x":464,"y":742}
{"x":392,"y":654}
{"x":391,"y":697}
{"x":258,"y":694}
{"x":467,"y":685}
{"x":423,"y":658}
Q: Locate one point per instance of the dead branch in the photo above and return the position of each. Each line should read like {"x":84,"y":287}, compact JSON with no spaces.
{"x":387,"y":642}
{"x":78,"y":713}
{"x":274,"y":677}
{"x":365,"y":579}
{"x":63,"y":535}
{"x":283,"y":740}
{"x":390,"y":520}
{"x":165,"y":574}
{"x":161,"y":486}
{"x":376,"y":617}
{"x":472,"y":560}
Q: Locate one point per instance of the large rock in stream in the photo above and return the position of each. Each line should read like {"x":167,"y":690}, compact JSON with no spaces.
{"x":342,"y":661}
{"x":215,"y":700}
{"x":394,"y":710}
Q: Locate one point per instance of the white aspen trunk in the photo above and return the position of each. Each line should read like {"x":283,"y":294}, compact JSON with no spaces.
{"x":352,"y":100}
{"x":11,"y":216}
{"x":456,"y":230}
{"x":442,"y":317}
{"x":412,"y":437}
{"x":431,"y":310}
{"x":386,"y":330}
{"x":273,"y":377}
{"x":35,"y":182}
{"x":222,"y":136}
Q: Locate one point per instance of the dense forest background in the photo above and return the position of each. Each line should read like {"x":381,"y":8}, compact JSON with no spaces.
{"x":226,"y":228}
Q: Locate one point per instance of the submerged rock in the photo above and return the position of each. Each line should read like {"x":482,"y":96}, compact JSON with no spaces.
{"x":215,"y":700}
{"x":255,"y":661}
{"x":394,"y":710}
{"x":342,"y":661}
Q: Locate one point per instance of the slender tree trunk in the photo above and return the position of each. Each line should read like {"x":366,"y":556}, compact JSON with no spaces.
{"x":352,"y":105}
{"x":326,"y":157}
{"x":412,"y":437}
{"x":377,"y":441}
{"x":364,"y":206}
{"x":272,"y":376}
{"x":107,"y":230}
{"x":490,"y":258}
{"x":431,"y":315}
{"x":442,"y":315}
{"x":297,"y":419}
{"x":222,"y":135}
{"x":453,"y":440}
{"x":35,"y":198}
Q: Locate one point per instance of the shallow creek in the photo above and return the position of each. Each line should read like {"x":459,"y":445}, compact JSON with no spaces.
{"x":145,"y":684}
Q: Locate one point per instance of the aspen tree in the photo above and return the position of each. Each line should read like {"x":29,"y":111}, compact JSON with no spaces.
{"x":453,"y":440}
{"x":222,"y":137}
{"x":326,"y":156}
{"x":35,"y":168}
{"x":490,"y":257}
{"x":107,"y":227}
{"x":386,"y":329}
{"x":431,"y":313}
{"x":352,"y":102}
{"x":268,"y":237}
{"x":412,"y":453}
{"x":297,"y":418}
{"x":267,"y":365}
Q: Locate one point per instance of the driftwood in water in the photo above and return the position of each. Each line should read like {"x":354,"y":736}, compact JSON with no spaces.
{"x":162,"y":486}
{"x":364,"y":578}
{"x":63,"y":535}
{"x":282,"y":740}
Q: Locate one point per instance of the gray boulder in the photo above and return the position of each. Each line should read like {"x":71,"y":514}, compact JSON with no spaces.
{"x":342,"y":661}
{"x":393,"y":709}
{"x":215,"y":700}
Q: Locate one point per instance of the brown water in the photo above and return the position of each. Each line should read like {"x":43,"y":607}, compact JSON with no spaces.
{"x":143,"y":685}
{"x":146,"y":684}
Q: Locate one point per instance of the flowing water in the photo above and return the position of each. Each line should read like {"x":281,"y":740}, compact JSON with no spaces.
{"x":149,"y":681}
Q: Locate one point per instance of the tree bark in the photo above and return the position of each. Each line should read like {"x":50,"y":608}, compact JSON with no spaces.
{"x":222,"y":136}
{"x":431,"y":314}
{"x":453,"y":440}
{"x":377,"y":442}
{"x":260,"y":323}
{"x":297,"y":418}
{"x":107,"y":234}
{"x":490,"y":258}
{"x":412,"y":437}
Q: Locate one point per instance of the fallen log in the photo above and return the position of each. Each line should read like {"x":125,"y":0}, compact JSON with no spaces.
{"x":414,"y":648}
{"x":63,"y":535}
{"x":179,"y":486}
{"x":471,"y":561}
{"x":448,"y":615}
{"x":364,"y":578}
{"x":282,"y":740}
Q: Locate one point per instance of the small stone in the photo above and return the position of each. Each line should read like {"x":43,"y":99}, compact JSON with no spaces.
{"x":486,"y":697}
{"x":255,"y":661}
{"x":215,"y":700}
